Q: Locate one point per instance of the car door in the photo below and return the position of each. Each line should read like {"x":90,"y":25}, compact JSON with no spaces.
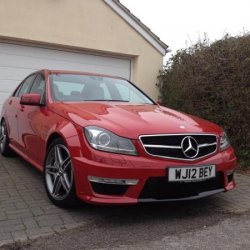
{"x":30,"y":119}
{"x":13,"y":107}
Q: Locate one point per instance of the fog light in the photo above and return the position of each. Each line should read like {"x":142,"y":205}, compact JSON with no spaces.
{"x":113,"y":181}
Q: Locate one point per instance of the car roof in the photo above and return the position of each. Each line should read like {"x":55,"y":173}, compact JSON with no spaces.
{"x":52,"y":71}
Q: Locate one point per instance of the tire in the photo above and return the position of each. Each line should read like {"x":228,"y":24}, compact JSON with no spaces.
{"x":59,"y":176}
{"x":4,"y":140}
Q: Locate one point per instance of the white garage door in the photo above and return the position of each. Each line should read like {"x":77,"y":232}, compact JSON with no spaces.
{"x":17,"y":61}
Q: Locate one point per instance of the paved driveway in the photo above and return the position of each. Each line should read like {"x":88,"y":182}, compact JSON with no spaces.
{"x":26,"y":213}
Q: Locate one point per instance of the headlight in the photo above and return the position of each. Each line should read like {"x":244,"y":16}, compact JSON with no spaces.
{"x":224,"y":141}
{"x":105,"y":140}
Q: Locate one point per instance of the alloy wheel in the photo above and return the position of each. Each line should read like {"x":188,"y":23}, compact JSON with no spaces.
{"x":58,"y":172}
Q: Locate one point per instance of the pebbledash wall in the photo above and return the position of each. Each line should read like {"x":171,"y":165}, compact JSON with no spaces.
{"x":70,"y":34}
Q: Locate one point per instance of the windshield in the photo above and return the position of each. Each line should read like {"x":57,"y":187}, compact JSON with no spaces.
{"x":77,"y":88}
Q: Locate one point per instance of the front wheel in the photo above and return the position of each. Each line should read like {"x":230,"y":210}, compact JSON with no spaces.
{"x":59,"y":175}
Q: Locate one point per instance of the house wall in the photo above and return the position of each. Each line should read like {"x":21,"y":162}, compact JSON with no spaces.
{"x":81,"y":24}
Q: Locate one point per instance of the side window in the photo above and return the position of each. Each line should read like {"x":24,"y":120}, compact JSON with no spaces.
{"x":38,"y":87}
{"x":25,"y":86}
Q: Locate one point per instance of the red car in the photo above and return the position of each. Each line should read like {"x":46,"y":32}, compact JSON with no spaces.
{"x":100,"y":139}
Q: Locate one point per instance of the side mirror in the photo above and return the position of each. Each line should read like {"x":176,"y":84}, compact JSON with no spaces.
{"x":31,"y":99}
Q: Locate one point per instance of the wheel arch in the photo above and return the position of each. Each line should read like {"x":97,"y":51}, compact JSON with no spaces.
{"x":52,"y":137}
{"x":69,"y":134}
{"x":6,"y":123}
{"x":2,"y":119}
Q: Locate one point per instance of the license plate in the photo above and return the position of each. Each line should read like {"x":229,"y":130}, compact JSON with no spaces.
{"x":188,"y":174}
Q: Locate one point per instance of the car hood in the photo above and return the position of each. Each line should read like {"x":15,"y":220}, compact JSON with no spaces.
{"x":131,"y":121}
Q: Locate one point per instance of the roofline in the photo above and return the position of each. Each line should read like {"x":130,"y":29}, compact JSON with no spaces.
{"x":74,"y":72}
{"x":135,"y":23}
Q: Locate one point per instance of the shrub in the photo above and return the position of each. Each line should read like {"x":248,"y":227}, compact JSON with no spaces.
{"x":213,"y":81}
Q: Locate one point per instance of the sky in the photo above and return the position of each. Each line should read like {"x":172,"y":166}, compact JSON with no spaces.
{"x":180,"y":23}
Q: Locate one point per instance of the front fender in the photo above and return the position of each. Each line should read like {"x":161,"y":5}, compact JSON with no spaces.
{"x":69,"y":132}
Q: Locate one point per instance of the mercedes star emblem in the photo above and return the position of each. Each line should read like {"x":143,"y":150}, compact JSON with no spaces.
{"x":190,"y":147}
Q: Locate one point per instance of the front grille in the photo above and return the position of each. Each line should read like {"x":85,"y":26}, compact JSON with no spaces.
{"x":171,"y":146}
{"x":160,"y":188}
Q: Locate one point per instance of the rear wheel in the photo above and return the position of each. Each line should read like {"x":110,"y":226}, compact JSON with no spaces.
{"x":59,"y":175}
{"x":4,"y":140}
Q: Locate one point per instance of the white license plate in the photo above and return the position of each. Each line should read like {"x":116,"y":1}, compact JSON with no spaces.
{"x":191,"y":173}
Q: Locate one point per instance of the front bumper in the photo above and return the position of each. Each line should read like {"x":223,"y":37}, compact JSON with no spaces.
{"x":143,"y":168}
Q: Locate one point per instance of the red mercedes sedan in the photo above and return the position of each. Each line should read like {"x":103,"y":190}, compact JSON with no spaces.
{"x":100,"y":139}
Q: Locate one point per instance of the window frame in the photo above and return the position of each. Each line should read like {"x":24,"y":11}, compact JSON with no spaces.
{"x":43,"y":99}
{"x":17,"y":91}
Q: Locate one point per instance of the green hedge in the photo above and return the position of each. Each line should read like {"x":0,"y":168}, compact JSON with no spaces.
{"x":213,"y":81}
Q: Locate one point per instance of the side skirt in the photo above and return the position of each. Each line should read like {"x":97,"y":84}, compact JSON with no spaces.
{"x":26,"y":158}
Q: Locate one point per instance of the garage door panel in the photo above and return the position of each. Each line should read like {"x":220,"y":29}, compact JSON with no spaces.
{"x":3,"y":97}
{"x":18,"y":61}
{"x":8,"y":86}
{"x":29,"y":55}
{"x":11,"y":60}
{"x":16,"y":74}
{"x":32,"y":63}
